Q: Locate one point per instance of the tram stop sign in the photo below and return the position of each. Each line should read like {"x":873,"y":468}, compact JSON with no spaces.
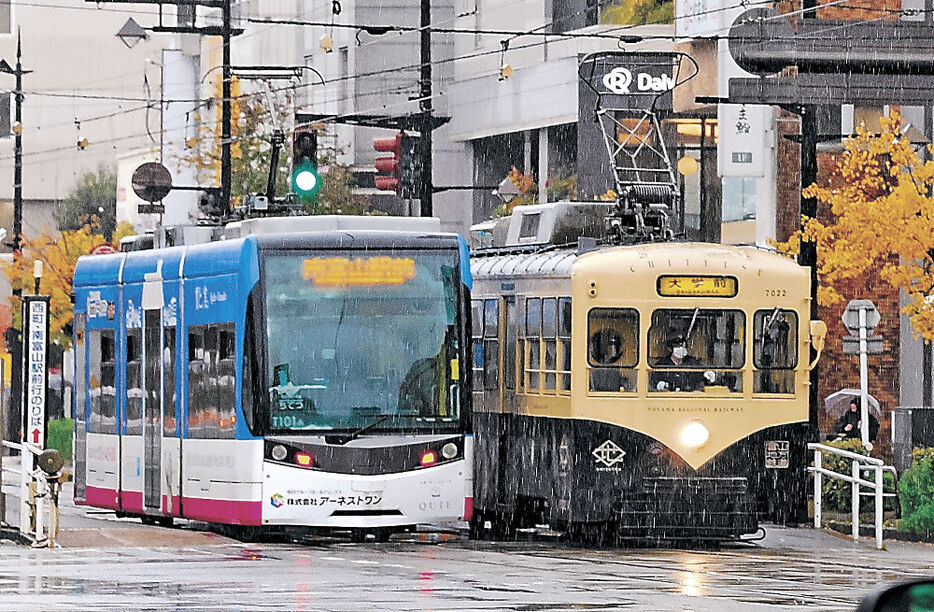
{"x":152,"y":182}
{"x":851,"y":316}
{"x":851,"y":321}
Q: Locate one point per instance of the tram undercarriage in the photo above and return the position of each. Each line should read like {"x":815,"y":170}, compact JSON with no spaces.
{"x":602,"y":484}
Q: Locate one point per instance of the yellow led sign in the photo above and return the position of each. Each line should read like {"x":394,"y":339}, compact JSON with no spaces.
{"x":697,"y":286}
{"x":343,"y":271}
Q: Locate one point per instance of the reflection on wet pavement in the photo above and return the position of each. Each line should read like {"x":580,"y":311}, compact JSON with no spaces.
{"x":807,"y":570}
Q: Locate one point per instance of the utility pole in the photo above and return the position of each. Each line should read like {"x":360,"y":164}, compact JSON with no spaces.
{"x":808,"y":208}
{"x":427,"y":186}
{"x":225,"y":108}
{"x":15,"y":343}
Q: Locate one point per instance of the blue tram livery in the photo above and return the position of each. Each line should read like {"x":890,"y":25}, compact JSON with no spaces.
{"x":309,"y":379}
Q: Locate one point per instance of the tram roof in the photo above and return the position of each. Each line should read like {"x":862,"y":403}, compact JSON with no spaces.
{"x":554,"y":263}
{"x":693,"y":256}
{"x":345,"y":239}
{"x":98,"y":270}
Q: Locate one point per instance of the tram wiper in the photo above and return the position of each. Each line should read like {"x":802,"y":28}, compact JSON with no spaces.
{"x":342,"y":439}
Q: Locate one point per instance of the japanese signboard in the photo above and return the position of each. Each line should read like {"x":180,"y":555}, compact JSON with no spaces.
{"x":696,"y":286}
{"x":744,"y":129}
{"x":35,"y":370}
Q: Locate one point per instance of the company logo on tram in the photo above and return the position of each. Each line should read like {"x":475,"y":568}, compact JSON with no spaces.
{"x":608,"y":454}
{"x":277,"y":501}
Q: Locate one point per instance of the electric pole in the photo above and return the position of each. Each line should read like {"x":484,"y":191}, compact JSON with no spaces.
{"x":225,"y":108}
{"x":427,"y":187}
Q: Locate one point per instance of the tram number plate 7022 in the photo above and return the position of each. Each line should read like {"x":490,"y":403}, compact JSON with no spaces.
{"x":777,"y":454}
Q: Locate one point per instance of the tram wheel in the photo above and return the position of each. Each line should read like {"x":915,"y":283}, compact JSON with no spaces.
{"x":358,"y":535}
{"x":148,"y":520}
{"x":382,"y":534}
{"x":165,"y":521}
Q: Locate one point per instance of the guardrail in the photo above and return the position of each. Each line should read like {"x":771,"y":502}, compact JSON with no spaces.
{"x":39,"y":492}
{"x":861,"y":463}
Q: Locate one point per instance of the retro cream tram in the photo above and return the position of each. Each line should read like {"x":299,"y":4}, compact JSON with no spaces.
{"x":582,"y":419}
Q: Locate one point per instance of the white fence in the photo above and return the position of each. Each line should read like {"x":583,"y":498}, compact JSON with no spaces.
{"x":38,"y":495}
{"x":860,"y":464}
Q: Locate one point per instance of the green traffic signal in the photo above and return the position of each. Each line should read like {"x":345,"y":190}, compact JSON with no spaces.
{"x":306,"y":182}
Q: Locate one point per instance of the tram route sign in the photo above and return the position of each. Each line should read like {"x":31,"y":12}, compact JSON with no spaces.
{"x":35,"y":368}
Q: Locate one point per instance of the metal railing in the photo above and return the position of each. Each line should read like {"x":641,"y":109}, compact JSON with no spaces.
{"x":861,"y":463}
{"x":38,"y":496}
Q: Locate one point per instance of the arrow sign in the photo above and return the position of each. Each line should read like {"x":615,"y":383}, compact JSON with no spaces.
{"x":35,"y":435}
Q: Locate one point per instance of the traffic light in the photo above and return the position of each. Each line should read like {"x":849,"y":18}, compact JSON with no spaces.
{"x":306,"y":182}
{"x":410,"y":167}
{"x":388,"y":166}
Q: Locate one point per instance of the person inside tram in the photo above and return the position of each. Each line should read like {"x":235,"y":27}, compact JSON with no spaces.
{"x":677,"y":357}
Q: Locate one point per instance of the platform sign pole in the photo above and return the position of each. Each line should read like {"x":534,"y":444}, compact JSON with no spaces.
{"x":34,"y":393}
{"x":36,"y":374}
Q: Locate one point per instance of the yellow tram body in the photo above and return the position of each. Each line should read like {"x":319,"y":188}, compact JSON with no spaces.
{"x":630,"y":276}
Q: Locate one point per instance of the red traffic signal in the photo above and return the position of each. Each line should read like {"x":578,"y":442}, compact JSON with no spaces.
{"x":388,"y":165}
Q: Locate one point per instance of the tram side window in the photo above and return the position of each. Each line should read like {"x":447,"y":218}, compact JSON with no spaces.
{"x":80,"y":360}
{"x":134,"y":382}
{"x":226,"y":381}
{"x":249,"y":370}
{"x":212,"y":381}
{"x":564,"y":343}
{"x":613,"y":349}
{"x":533,"y":343}
{"x":168,"y":381}
{"x":99,"y":421}
{"x":550,"y":343}
{"x":476,"y":324}
{"x":108,"y":395}
{"x":775,"y":352}
{"x":694,"y":349}
{"x":198,"y":401}
{"x":491,"y":344}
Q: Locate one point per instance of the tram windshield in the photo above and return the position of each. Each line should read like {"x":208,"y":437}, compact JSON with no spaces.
{"x":360,"y":339}
{"x":697,"y":349}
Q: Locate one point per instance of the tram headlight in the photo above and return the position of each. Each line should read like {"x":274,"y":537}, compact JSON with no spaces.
{"x":279,"y":452}
{"x":449,"y":450}
{"x":695,"y":434}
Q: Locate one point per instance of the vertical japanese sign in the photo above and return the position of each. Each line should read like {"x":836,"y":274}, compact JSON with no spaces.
{"x":35,"y":370}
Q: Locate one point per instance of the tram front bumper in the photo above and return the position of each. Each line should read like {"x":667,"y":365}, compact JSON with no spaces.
{"x":310,"y":498}
{"x":698,"y":508}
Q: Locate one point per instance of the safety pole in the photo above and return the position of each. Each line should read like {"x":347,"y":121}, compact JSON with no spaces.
{"x":855,"y":498}
{"x":818,"y":488}
{"x":878,"y":492}
{"x":863,"y":380}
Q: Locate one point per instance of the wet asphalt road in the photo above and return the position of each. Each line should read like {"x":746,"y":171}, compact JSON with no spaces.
{"x":791,"y":569}
{"x":110,"y":564}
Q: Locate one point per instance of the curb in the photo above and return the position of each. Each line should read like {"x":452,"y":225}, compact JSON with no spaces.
{"x":12,"y":533}
{"x":887,"y":533}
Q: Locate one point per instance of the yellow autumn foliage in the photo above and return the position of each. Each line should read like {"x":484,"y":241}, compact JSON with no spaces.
{"x":59,"y":253}
{"x":882,"y":222}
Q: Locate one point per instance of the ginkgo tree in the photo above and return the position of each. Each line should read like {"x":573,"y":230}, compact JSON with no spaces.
{"x":59,"y":254}
{"x":881,"y":200}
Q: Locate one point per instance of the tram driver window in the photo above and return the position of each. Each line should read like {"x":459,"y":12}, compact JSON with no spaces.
{"x":695,"y":349}
{"x":775,"y":352}
{"x":612,"y":349}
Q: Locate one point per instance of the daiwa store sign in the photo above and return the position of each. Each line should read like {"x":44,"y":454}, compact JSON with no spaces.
{"x":631,"y":80}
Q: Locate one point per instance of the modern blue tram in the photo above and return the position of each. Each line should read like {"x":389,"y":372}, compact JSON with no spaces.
{"x":309,"y":379}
